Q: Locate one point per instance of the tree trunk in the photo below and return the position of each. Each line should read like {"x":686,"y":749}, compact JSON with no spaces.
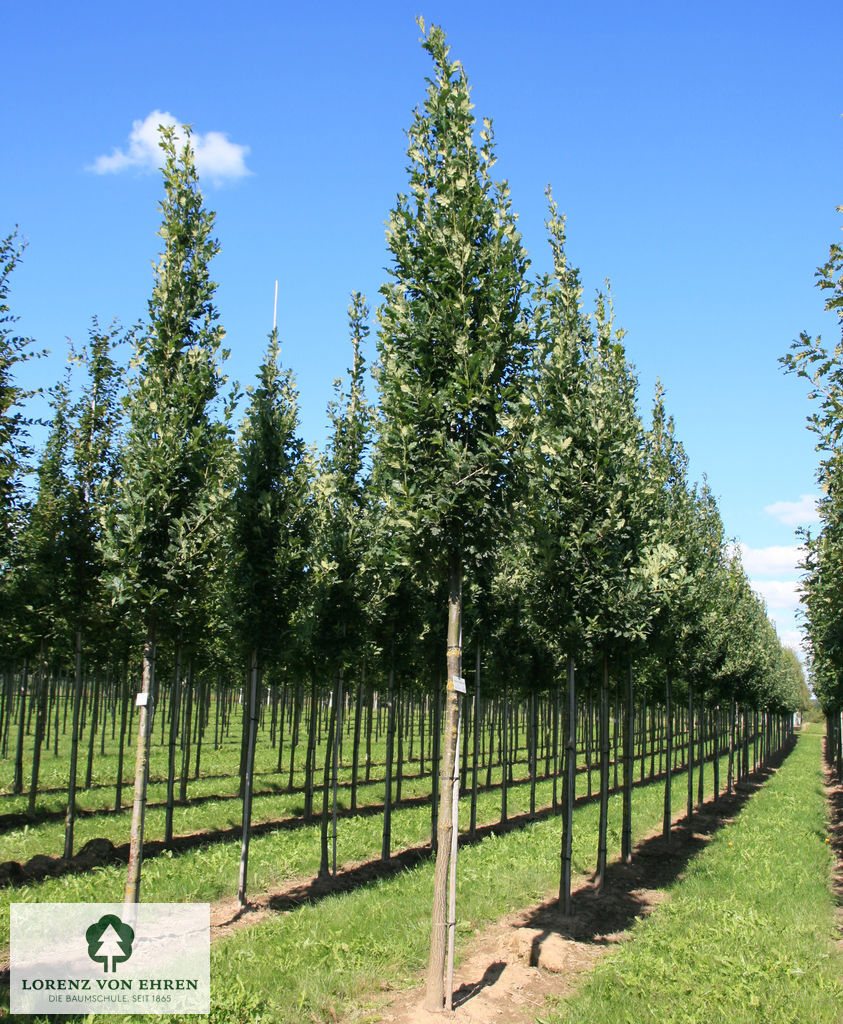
{"x":569,"y":792}
{"x":147,"y":707}
{"x":386,"y":840}
{"x":310,"y":756}
{"x":201,"y":721}
{"x":435,"y":985}
{"x":95,"y":706}
{"x":604,"y":775}
{"x":628,"y":739}
{"x":41,"y":699}
{"x":337,"y":755}
{"x":326,"y":781}
{"x":254,"y":677}
{"x":186,"y":736}
{"x":294,"y":738}
{"x":434,"y":766}
{"x":533,"y":753}
{"x":589,"y":737}
{"x":690,"y":751}
{"x":667,"y":821}
{"x":17,"y":785}
{"x":701,"y":753}
{"x":355,"y":745}
{"x":124,"y":708}
{"x":478,"y":724}
{"x":175,"y":715}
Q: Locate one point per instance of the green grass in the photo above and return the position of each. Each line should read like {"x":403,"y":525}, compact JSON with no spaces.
{"x":329,"y":958}
{"x":209,"y":872}
{"x":747,"y":934}
{"x":326,"y":959}
{"x":310,"y":963}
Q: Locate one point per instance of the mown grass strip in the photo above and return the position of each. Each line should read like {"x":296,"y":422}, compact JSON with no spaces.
{"x":747,"y":934}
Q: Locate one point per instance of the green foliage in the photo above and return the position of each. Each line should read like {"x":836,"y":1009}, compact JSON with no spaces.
{"x":42,"y":584}
{"x":15,"y":450}
{"x":161,"y":530}
{"x":822,"y":366}
{"x":452,"y":343}
{"x":343,"y":513}
{"x":94,"y":469}
{"x":14,"y":349}
{"x":271,"y":515}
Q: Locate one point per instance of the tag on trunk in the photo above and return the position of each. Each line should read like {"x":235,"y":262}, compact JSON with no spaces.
{"x":141,"y":700}
{"x":459,"y":684}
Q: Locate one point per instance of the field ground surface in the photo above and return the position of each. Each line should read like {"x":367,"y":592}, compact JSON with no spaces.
{"x":735,"y":921}
{"x":352,"y":948}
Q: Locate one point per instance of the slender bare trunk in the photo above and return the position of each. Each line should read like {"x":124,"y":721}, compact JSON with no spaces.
{"x":175,"y":714}
{"x":124,"y":708}
{"x":569,"y":792}
{"x":476,"y":748}
{"x":17,"y":785}
{"x":435,"y":985}
{"x":386,"y":839}
{"x":668,"y":772}
{"x":326,"y":780}
{"x":690,"y":751}
{"x":628,"y":738}
{"x":604,"y":775}
{"x":254,"y":676}
{"x":147,"y":707}
{"x":337,"y":755}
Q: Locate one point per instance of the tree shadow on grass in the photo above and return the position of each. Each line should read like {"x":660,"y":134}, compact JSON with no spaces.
{"x":834,"y":796}
{"x":600,"y":919}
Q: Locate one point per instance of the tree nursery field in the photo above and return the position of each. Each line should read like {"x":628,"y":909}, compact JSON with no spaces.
{"x":485,"y":671}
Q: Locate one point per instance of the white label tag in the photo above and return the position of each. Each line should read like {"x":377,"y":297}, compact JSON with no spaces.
{"x":142,"y":700}
{"x":459,"y":684}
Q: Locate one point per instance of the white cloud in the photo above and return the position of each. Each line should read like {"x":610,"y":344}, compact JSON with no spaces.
{"x":780,"y":595}
{"x":795,"y":513}
{"x":772,"y":561}
{"x":793,"y":639}
{"x":216,"y":157}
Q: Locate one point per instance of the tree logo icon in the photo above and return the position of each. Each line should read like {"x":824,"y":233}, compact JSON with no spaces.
{"x":110,"y":939}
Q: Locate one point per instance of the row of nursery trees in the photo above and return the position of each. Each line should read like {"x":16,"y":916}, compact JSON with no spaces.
{"x":504,"y":498}
{"x":822,"y":584}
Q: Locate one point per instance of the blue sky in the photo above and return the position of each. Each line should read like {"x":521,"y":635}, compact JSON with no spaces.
{"x":696,"y":150}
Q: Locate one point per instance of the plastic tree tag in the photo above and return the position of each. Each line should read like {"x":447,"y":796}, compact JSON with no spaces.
{"x":142,"y":700}
{"x":459,"y":684}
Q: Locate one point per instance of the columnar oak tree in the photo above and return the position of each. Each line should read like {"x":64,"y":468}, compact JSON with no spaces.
{"x":452,"y":348}
{"x":94,"y":470}
{"x":160,"y":533}
{"x":342,"y":536}
{"x":822,"y":366}
{"x":15,"y":449}
{"x":270,"y":528}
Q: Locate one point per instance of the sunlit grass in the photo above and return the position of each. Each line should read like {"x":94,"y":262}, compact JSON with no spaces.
{"x":747,"y":935}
